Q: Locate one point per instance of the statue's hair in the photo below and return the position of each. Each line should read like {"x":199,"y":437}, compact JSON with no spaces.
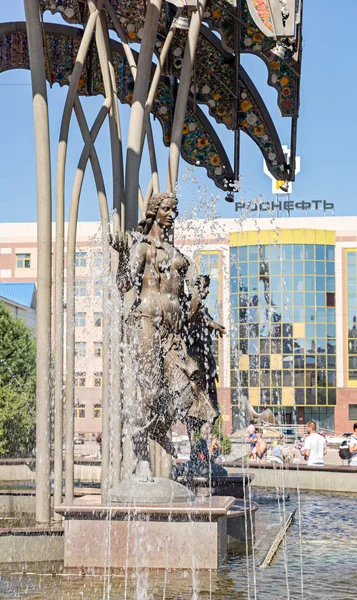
{"x":152,"y":207}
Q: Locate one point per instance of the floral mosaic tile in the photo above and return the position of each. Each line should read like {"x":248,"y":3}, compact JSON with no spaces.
{"x":283,"y":73}
{"x":198,"y":148}
{"x":215,"y":91}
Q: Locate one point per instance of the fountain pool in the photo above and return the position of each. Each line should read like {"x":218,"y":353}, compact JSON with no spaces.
{"x":326,"y":549}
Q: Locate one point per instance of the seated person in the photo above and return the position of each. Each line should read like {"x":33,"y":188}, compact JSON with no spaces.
{"x":203,"y":458}
{"x":277,"y":454}
{"x":252,"y":439}
{"x":283,"y":452}
{"x":261,"y":446}
{"x":258,"y":446}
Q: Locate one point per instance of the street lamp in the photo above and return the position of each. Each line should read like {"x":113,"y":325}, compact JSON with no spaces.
{"x":182,"y":21}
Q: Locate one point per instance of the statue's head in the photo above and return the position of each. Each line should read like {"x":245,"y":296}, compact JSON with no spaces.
{"x":162,"y":209}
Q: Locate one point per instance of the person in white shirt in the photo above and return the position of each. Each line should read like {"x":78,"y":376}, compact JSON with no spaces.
{"x":352,"y":444}
{"x":315,"y":446}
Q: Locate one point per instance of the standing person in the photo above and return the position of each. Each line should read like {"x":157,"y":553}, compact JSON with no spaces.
{"x":352,"y":444}
{"x":315,"y":446}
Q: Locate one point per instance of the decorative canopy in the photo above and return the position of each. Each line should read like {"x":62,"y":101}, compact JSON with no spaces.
{"x":235,"y":103}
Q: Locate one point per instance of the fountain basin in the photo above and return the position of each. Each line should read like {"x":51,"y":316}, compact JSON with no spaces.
{"x":145,"y":536}
{"x":222,"y":485}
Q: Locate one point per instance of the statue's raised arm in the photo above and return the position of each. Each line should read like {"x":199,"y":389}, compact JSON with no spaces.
{"x":131,"y":261}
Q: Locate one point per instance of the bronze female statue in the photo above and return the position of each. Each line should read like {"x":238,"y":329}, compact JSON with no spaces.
{"x":200,"y":327}
{"x":168,"y":384}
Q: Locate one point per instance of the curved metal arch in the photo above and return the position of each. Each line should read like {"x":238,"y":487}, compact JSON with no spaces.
{"x":75,"y":35}
{"x":221,"y":173}
{"x":277,"y":165}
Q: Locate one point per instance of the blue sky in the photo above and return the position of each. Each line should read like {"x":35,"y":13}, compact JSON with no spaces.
{"x":326,"y":134}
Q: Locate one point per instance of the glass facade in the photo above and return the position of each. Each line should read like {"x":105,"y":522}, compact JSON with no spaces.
{"x":209,"y":264}
{"x":351,"y":281}
{"x":283,"y":335}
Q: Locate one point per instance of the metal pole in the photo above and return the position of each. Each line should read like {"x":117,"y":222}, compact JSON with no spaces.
{"x":137,"y":113}
{"x":60,"y":193}
{"x":182,"y":95}
{"x":133,"y":68}
{"x":237,"y":34}
{"x":71,"y":245}
{"x":115,"y":134}
{"x":44,"y":247}
{"x":160,"y":65}
{"x":112,"y":334}
{"x":111,"y":429}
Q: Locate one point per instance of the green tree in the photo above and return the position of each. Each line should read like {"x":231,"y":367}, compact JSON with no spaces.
{"x":222,"y":437}
{"x":17,"y":386}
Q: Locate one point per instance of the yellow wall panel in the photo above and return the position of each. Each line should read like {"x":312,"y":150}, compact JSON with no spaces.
{"x":244,"y":362}
{"x":253,"y":238}
{"x":320,"y":237}
{"x":299,"y":330}
{"x":309,"y":236}
{"x":297,"y":236}
{"x":330,"y":238}
{"x":276,"y":361}
{"x":288,"y":396}
{"x":239,"y":238}
{"x":254,"y":396}
{"x":285,"y":236}
{"x":282,"y":236}
{"x":264,"y":237}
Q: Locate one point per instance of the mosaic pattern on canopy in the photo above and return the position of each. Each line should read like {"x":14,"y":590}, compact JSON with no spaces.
{"x":215,"y":92}
{"x":198,"y":148}
{"x":283,"y":74}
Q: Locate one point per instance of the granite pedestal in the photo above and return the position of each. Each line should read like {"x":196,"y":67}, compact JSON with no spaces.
{"x":178,"y":536}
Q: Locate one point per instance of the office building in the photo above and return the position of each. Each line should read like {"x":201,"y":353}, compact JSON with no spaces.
{"x":285,"y":289}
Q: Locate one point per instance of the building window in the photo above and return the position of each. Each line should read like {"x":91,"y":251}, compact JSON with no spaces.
{"x":98,"y":286}
{"x":80,"y":319}
{"x":80,"y":411}
{"x":98,"y":379}
{"x":80,"y":379}
{"x":98,"y":349}
{"x":80,"y":288}
{"x":351,"y":279}
{"x":97,"y":411}
{"x":284,"y":322}
{"x":98,"y":318}
{"x":80,"y":349}
{"x":80,"y":259}
{"x":23,"y":261}
{"x":98,"y":262}
{"x":209,"y":264}
{"x":324,"y":416}
{"x":352,"y":412}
